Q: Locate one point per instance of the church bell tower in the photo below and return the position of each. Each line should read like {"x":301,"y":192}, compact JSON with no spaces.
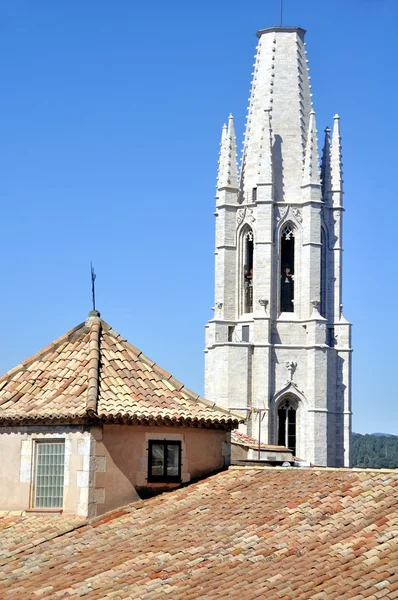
{"x":278,"y":346}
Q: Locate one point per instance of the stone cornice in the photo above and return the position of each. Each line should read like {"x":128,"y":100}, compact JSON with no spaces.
{"x":300,"y":204}
{"x":282,"y":346}
{"x":281,"y":29}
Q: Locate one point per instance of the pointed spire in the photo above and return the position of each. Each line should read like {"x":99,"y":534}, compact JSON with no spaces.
{"x":281,"y":81}
{"x":335,"y":157}
{"x":232,"y":153}
{"x":222,"y":160}
{"x":265,"y":175}
{"x":325,"y":170}
{"x":228,"y":169}
{"x":311,"y":158}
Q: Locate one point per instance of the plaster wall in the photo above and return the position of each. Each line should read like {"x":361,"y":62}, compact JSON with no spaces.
{"x":105,"y":467}
{"x":17,"y":449}
{"x":122,"y":453}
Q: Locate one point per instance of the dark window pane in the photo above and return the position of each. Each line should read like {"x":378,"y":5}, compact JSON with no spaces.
{"x":248,"y":272}
{"x":157,"y":460}
{"x":281,"y":427}
{"x":291,"y":430}
{"x":245,"y":333}
{"x":287,"y":270}
{"x":173,"y":460}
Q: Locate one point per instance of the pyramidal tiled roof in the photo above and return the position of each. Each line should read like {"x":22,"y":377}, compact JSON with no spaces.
{"x":93,"y":373}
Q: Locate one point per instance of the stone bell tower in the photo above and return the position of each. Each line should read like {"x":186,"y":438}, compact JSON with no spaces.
{"x":278,"y":345}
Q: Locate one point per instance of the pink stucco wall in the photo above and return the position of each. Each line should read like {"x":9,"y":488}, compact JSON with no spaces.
{"x":125,"y":450}
{"x":105,"y":466}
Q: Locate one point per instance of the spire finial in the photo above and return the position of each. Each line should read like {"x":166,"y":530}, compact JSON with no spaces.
{"x":311,"y":158}
{"x":336,"y":157}
{"x":228,"y":168}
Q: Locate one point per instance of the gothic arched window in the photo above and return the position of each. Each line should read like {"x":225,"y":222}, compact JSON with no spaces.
{"x":287,"y":269}
{"x":248,"y":252}
{"x":286,"y":425}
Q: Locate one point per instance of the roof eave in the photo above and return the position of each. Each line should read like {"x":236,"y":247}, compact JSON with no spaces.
{"x":92,"y":419}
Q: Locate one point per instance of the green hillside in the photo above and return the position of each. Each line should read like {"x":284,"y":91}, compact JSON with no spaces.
{"x":374,"y":451}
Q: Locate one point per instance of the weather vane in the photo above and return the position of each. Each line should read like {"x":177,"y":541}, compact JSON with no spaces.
{"x":93,"y":277}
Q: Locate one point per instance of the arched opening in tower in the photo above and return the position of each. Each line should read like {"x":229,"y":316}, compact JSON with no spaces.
{"x":248,"y":272}
{"x":287,"y":425}
{"x":287,"y":273}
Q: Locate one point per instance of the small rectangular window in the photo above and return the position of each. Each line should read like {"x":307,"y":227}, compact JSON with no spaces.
{"x":164,"y":461}
{"x":245,"y":333}
{"x":49,"y":474}
{"x":231,"y":331}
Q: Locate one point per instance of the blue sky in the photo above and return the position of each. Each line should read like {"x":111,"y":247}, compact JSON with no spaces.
{"x":111,"y":115}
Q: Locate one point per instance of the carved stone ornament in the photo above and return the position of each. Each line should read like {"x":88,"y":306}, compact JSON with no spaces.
{"x":250,"y":215}
{"x":316,"y":305}
{"x":282,"y":210}
{"x":288,"y":232}
{"x":291,"y":366}
{"x":264,"y":302}
{"x":240,"y":215}
{"x":297,"y":214}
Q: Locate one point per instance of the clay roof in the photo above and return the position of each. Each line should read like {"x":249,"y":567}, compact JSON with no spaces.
{"x":92,"y":372}
{"x":248,"y":533}
{"x":241,"y":439}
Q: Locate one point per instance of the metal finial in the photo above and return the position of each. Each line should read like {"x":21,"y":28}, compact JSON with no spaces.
{"x":281,"y":13}
{"x":93,"y":277}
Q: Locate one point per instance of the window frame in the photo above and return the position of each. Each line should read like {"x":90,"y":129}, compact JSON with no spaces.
{"x":292,"y":232}
{"x":164,"y":478}
{"x":246,"y":334}
{"x":287,"y":404}
{"x":245,"y":285}
{"x":36,"y":444}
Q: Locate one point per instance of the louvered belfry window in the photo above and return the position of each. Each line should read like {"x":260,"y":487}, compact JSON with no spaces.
{"x":49,"y":480}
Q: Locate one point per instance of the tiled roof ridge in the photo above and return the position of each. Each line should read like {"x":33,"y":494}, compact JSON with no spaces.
{"x":94,"y":322}
{"x":168,"y":376}
{"x":49,"y":348}
{"x":341,"y":470}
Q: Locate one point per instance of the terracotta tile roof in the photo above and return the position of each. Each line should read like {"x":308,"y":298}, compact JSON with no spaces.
{"x":94,"y":373}
{"x":241,"y":439}
{"x":244,"y":534}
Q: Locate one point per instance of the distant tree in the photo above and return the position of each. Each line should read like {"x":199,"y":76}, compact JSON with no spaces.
{"x":374,"y":451}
